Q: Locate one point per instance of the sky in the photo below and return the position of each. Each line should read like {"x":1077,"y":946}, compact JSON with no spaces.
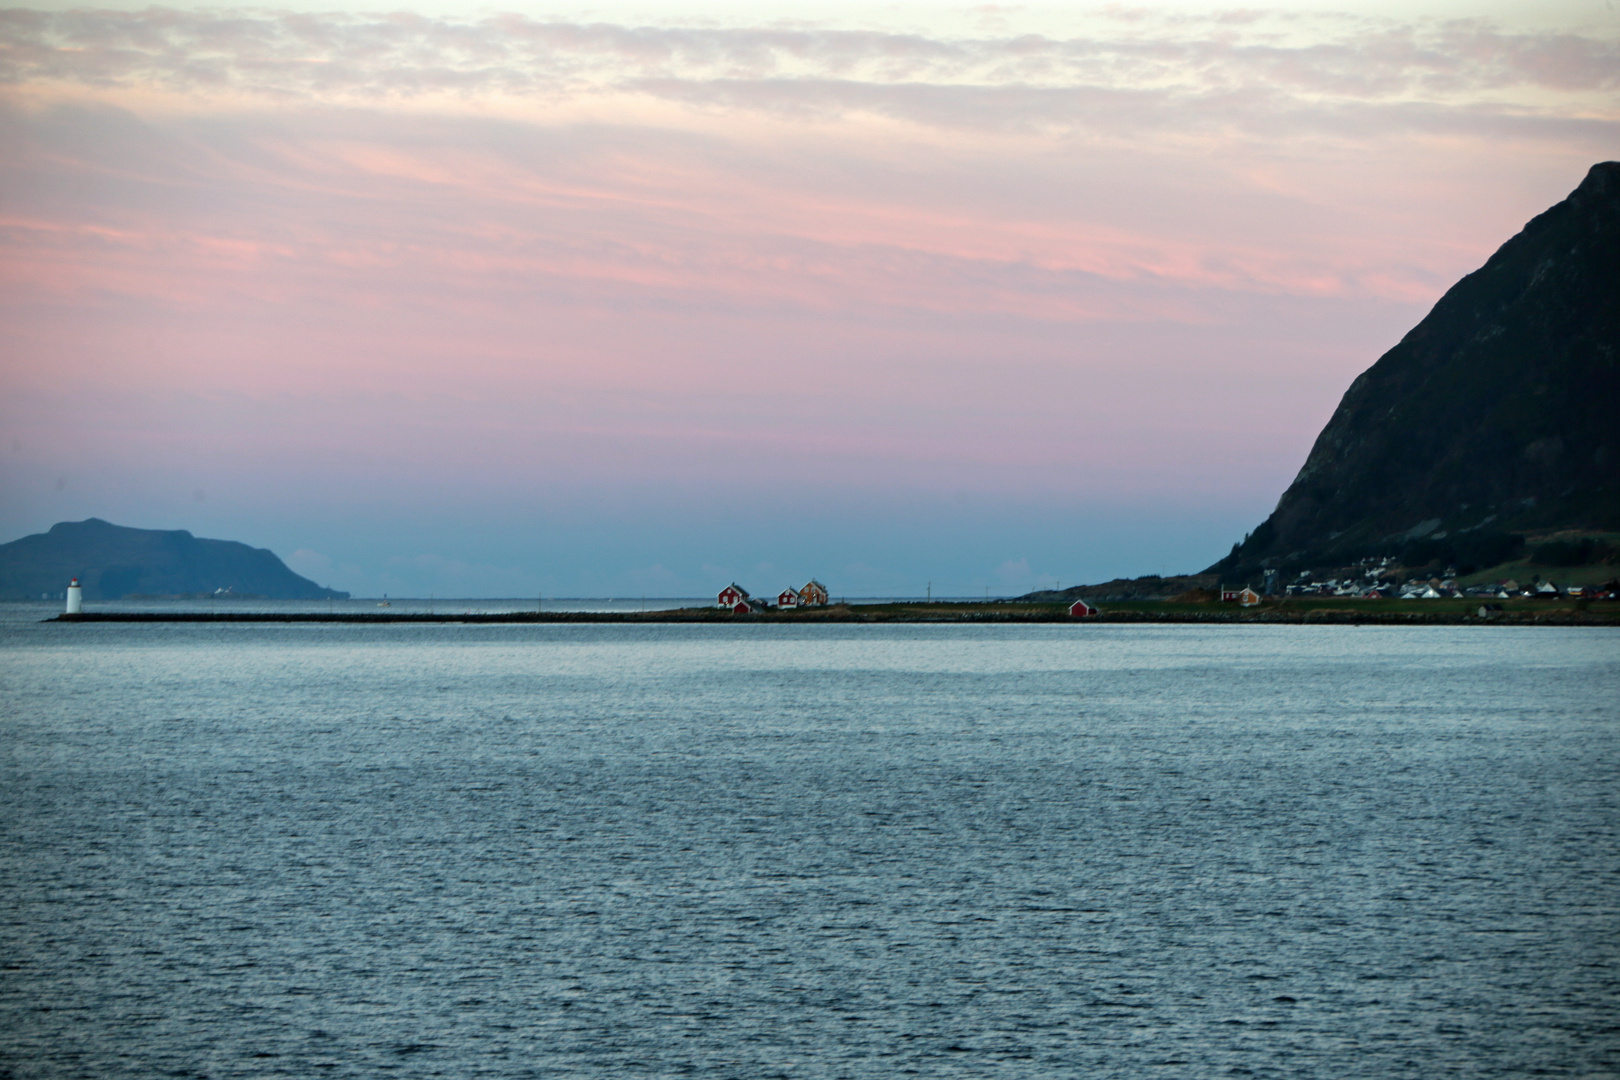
{"x":639,"y":299}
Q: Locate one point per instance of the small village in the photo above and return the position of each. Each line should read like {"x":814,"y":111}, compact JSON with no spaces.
{"x":1381,"y":580}
{"x":1371,"y":584}
{"x":737,"y":599}
{"x":1447,"y":589}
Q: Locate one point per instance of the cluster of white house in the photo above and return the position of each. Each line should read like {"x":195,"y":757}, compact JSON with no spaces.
{"x":1447,"y":589}
{"x":735,"y":597}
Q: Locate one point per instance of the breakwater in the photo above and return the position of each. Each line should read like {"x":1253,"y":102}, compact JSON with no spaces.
{"x":891,"y":613}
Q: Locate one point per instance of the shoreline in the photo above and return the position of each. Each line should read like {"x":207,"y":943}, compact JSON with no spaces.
{"x":888,"y":614}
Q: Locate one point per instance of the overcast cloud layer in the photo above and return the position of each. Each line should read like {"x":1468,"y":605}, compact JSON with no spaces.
{"x":503,"y":305}
{"x":1174,"y":60}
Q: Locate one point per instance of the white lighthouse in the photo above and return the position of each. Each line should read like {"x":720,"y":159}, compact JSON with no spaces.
{"x":75,"y":597}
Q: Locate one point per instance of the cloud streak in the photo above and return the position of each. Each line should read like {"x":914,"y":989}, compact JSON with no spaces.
{"x":1159,"y":63}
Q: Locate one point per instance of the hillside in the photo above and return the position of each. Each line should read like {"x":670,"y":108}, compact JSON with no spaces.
{"x":1148,"y":587}
{"x":112,"y":561}
{"x":1492,"y":421}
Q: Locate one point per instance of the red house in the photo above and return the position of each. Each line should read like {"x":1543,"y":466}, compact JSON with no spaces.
{"x":1244,"y":596}
{"x":1080,"y":609}
{"x":731,"y":596}
{"x":787,"y":598}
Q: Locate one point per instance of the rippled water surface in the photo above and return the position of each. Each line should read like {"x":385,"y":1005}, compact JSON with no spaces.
{"x":830,"y":851}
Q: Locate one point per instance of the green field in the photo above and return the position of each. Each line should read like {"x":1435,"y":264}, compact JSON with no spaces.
{"x":1290,"y":608}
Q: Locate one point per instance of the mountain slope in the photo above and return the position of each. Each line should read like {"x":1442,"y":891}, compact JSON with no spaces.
{"x":1496,"y":415}
{"x":112,"y":561}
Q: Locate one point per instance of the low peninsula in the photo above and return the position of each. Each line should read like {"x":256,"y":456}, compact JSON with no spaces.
{"x":1312,"y":610}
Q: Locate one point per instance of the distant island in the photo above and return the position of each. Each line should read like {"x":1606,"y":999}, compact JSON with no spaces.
{"x":113,"y":562}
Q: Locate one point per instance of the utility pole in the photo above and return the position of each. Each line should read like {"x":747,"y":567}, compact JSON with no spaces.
{"x":930,"y":592}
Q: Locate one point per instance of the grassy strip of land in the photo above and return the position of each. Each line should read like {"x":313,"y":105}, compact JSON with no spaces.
{"x":1295,"y":610}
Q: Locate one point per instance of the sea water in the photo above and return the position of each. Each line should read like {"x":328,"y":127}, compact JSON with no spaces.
{"x":808,"y":851}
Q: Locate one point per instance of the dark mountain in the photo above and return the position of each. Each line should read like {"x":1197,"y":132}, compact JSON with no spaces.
{"x":1498,"y":415}
{"x":112,"y":561}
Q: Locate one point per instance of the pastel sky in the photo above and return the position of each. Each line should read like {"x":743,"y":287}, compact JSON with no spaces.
{"x":637,"y":300}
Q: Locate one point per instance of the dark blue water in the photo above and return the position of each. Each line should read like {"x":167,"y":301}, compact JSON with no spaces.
{"x":834,"y":851}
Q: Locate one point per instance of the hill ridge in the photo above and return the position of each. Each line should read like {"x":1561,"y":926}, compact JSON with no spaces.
{"x":1492,"y":418}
